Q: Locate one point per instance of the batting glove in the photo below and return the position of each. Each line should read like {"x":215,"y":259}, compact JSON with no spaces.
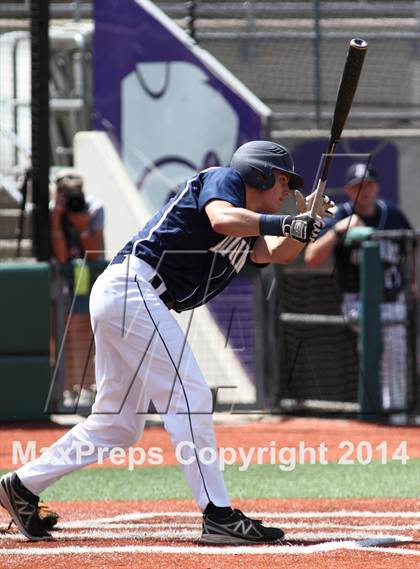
{"x":302,"y":228}
{"x":304,"y":204}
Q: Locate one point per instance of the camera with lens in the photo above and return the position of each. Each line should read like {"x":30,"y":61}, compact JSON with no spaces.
{"x":75,"y":201}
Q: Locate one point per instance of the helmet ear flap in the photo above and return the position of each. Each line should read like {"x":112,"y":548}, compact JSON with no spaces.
{"x":263,"y":180}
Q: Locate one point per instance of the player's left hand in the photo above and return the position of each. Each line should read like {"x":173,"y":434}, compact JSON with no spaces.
{"x":304,"y":204}
{"x":302,"y":227}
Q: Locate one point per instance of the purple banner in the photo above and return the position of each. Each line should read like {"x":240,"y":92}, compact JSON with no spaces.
{"x":383,"y":156}
{"x":170,"y":109}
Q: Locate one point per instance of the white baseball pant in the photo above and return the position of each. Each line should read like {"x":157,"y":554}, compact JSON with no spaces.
{"x":393,"y":364}
{"x":141,"y":355}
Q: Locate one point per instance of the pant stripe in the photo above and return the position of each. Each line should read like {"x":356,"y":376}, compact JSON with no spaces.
{"x":182,"y":386}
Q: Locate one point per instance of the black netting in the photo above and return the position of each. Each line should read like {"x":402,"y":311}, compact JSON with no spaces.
{"x":309,"y":345}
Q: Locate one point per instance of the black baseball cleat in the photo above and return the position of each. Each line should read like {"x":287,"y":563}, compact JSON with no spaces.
{"x":237,"y":529}
{"x":22,"y":505}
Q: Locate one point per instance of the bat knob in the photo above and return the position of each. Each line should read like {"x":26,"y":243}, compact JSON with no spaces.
{"x":358,"y":43}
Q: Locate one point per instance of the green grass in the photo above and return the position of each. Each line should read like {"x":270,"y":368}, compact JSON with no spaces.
{"x":259,"y":481}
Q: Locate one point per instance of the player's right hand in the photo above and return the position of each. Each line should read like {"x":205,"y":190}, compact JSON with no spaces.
{"x":303,"y":228}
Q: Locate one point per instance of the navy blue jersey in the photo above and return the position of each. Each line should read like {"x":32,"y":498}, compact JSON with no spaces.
{"x":386,"y":216}
{"x":194,"y":261}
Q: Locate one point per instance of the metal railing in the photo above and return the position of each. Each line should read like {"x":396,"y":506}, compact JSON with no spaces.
{"x":69,"y":10}
{"x":70,"y":87}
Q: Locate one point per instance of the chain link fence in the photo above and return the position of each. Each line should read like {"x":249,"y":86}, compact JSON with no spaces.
{"x":290,"y":55}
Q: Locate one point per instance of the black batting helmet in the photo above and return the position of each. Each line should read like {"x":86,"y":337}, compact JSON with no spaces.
{"x":256,"y":160}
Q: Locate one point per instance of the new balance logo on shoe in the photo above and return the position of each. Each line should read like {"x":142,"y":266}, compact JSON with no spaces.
{"x":237,"y":529}
{"x":243,"y":527}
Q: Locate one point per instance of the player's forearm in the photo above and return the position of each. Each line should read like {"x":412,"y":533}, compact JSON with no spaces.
{"x":284,"y":250}
{"x":271,"y":249}
{"x":237,"y":222}
{"x":318,"y":253}
{"x":240,"y":222}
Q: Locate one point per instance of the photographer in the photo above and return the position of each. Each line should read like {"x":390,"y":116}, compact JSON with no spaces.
{"x":76,"y":220}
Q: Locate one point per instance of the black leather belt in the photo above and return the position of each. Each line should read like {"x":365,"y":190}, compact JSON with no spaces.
{"x":156,"y":282}
{"x":166,"y":297}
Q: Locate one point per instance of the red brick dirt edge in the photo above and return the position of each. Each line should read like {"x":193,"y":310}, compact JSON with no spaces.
{"x":340,"y":559}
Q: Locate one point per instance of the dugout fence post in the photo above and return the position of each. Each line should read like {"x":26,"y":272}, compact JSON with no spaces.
{"x":39,"y":10}
{"x":370,"y":331}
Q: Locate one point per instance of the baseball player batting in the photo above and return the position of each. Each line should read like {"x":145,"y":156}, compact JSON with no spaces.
{"x":186,"y":254}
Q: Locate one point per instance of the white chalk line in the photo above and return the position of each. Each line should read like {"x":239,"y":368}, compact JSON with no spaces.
{"x":284,"y":525}
{"x":269,"y":515}
{"x":395,"y":550}
{"x":367,"y":545}
{"x":105,"y":528}
{"x":165,"y":535}
{"x":127,"y":525}
{"x":186,"y":534}
{"x":337,"y":514}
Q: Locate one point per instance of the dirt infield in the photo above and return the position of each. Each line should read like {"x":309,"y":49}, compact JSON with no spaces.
{"x":328,"y":533}
{"x":339,"y":533}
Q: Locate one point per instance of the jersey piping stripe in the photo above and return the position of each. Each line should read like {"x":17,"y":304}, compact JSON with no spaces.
{"x":198,"y":286}
{"x":182,"y":387}
{"x":384,"y":214}
{"x":219,"y":275}
{"x":164,"y":216}
{"x":213,"y":292}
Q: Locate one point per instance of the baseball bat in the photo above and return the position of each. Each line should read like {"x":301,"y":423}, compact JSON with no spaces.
{"x":345,"y":96}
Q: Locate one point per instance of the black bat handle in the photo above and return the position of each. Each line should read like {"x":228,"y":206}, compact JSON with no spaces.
{"x":345,"y":96}
{"x":348,"y":85}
